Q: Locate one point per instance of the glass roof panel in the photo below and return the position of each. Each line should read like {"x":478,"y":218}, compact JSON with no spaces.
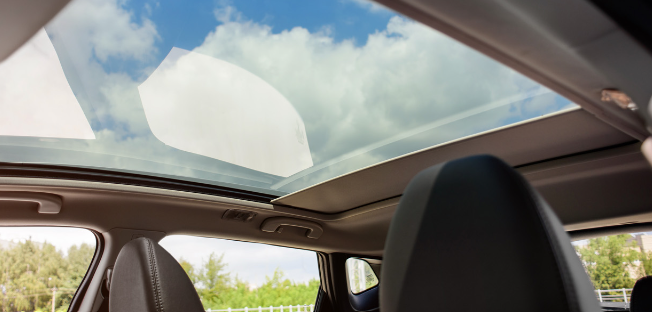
{"x":262,"y":95}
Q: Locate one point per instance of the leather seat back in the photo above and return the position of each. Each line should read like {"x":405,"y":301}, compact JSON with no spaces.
{"x":147,"y":278}
{"x":472,"y":235}
{"x":641,"y":300}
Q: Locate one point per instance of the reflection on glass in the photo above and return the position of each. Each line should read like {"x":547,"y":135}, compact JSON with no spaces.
{"x":252,"y":94}
{"x":232,"y":275}
{"x":209,"y":107}
{"x":361,"y":276}
{"x":35,"y":98}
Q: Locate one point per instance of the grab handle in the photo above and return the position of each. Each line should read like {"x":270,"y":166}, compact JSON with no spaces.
{"x":47,"y":203}
{"x":276,"y":224}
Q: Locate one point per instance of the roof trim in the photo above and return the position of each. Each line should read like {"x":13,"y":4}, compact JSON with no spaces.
{"x":559,"y":134}
{"x":111,"y":187}
{"x":55,"y":172}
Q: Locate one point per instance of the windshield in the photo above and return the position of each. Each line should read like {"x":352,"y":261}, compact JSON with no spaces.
{"x":266,"y":96}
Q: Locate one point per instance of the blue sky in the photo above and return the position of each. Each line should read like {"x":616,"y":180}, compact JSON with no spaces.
{"x":347,"y":19}
{"x":186,"y":26}
{"x":359,"y":77}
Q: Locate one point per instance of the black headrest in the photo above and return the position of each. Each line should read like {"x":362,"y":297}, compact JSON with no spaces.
{"x":642,"y":295}
{"x":147,"y":278}
{"x":472,"y":235}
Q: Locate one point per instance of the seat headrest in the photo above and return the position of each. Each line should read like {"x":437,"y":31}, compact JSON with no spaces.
{"x":641,"y":300}
{"x":472,"y":235}
{"x":147,"y":278}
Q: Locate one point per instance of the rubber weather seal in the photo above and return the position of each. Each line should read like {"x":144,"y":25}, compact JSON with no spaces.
{"x":125,"y":178}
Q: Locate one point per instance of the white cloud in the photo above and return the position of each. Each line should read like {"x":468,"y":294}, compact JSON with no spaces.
{"x":227,"y":13}
{"x":105,"y":29}
{"x":91,"y":33}
{"x":349,"y":96}
{"x":371,"y":6}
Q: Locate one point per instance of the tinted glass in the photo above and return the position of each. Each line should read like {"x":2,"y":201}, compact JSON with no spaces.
{"x":42,"y":267}
{"x":360,"y":275}
{"x":238,"y":275}
{"x":614,"y":263}
{"x":268,"y":96}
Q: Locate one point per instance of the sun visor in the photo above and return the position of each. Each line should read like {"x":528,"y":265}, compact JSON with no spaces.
{"x":210,"y":107}
{"x":35,"y":98}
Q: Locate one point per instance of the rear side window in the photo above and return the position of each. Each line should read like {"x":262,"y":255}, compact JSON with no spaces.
{"x":614,"y":263}
{"x":360,"y":275}
{"x":244,"y":276}
{"x":42,"y":267}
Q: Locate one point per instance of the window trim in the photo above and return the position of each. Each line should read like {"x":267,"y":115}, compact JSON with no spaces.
{"x":80,"y":293}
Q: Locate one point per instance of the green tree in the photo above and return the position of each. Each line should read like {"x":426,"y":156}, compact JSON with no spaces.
{"x":646,"y":263}
{"x":76,"y":266}
{"x":30,"y":270}
{"x":213,"y":278}
{"x":608,"y":261}
{"x":276,"y":291}
{"x":190,"y":270}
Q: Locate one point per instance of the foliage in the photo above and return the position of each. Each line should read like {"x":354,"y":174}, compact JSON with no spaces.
{"x":190,"y":270}
{"x":212,"y":277}
{"x":357,"y":269}
{"x":218,"y":290}
{"x":646,"y":263}
{"x":609,"y":261}
{"x":30,"y":270}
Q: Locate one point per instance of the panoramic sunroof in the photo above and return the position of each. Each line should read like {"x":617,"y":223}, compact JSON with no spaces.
{"x":268,"y":96}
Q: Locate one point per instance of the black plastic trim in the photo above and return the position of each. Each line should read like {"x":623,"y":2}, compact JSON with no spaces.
{"x":365,"y":301}
{"x":108,"y":176}
{"x":610,"y":230}
{"x":632,"y":15}
{"x":325,"y":299}
{"x":610,"y":147}
{"x":79,"y":295}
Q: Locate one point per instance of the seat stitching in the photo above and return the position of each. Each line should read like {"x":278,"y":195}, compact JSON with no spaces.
{"x":154,"y":277}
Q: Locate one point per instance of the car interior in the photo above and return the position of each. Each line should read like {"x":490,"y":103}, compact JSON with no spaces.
{"x":484,"y":221}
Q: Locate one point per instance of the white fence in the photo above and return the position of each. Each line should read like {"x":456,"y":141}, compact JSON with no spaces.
{"x":611,"y":295}
{"x":604,"y":295}
{"x":290,"y":308}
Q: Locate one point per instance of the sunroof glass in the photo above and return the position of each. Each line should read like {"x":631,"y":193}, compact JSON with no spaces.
{"x":269,"y":96}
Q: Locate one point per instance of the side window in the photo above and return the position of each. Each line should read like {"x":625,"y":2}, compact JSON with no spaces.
{"x":360,"y":275}
{"x":240,"y":276}
{"x":614,"y":263}
{"x":42,"y":267}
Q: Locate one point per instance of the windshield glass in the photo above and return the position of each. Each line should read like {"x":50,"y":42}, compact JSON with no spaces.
{"x":266,"y":96}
